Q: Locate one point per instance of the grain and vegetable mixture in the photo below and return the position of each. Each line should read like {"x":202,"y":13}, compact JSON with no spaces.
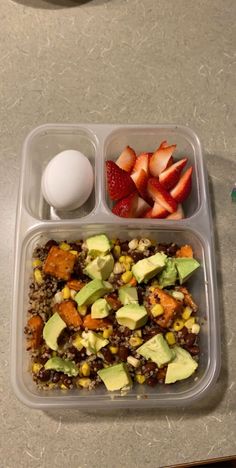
{"x":111,"y":312}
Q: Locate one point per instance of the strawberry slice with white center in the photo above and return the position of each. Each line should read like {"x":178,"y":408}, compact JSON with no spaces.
{"x":130,"y":207}
{"x":119,"y":182}
{"x":140,"y":179}
{"x":178,"y":214}
{"x":126,"y":160}
{"x":161,"y":159}
{"x":158,"y":211}
{"x":157,"y":192}
{"x":171,"y":175}
{"x":183,"y":188}
{"x":142,"y":162}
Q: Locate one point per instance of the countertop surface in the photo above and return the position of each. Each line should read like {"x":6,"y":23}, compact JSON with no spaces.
{"x":121,"y":61}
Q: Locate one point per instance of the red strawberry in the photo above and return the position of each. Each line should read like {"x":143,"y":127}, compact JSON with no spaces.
{"x":130,"y":207}
{"x":178,"y":214}
{"x":158,"y":211}
{"x":171,"y":175}
{"x":160,"y":159}
{"x":119,"y":182}
{"x":163,"y":144}
{"x":148,"y":214}
{"x":140,"y":179}
{"x":160,"y":195}
{"x":142,"y":162}
{"x":183,"y":188}
{"x":127,"y":159}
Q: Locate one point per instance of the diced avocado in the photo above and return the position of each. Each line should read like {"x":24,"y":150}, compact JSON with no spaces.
{"x":157,"y":349}
{"x":147,"y":268}
{"x":100,"y":309}
{"x":186,"y":266}
{"x":128,"y":295}
{"x":115,"y":377}
{"x":52,"y":330}
{"x":62,"y":365}
{"x":93,"y":342}
{"x":182,"y":366}
{"x":101,"y":267}
{"x":132,"y":316}
{"x":92,"y":291}
{"x":98,"y":245}
{"x":168,"y":275}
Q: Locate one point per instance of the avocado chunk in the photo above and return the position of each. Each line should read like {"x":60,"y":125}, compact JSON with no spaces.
{"x":157,"y":349}
{"x":62,"y":365}
{"x":147,"y":268}
{"x":168,"y":275}
{"x":182,"y":366}
{"x":98,"y":245}
{"x":128,"y":295}
{"x":92,"y":291}
{"x":185,"y":267}
{"x":115,"y":377}
{"x":101,"y":267}
{"x":100,"y":309}
{"x":93,"y":342}
{"x":132,"y":316}
{"x":52,"y":330}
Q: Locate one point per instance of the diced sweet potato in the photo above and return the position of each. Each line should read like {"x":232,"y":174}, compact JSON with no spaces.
{"x":68,"y":312}
{"x":75,"y":284}
{"x":185,"y":251}
{"x":95,"y":324}
{"x":113,"y":301}
{"x":188,"y":300}
{"x":35,"y":326}
{"x":59,"y":263}
{"x":171,"y":308}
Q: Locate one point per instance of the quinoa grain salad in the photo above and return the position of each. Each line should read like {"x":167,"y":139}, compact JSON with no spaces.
{"x":111,"y":312}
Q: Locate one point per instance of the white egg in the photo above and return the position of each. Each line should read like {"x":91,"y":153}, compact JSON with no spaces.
{"x":67,"y":180}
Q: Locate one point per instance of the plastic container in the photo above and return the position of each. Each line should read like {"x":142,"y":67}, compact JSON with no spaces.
{"x":36,"y":223}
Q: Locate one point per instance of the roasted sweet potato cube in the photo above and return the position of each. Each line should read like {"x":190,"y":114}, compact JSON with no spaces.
{"x":68,"y":312}
{"x":35,"y":326}
{"x":59,"y":263}
{"x":171,"y":308}
{"x":185,"y":251}
{"x":75,"y":284}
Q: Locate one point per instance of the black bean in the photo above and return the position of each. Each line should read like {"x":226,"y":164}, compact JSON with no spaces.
{"x":67,"y":381}
{"x":190,"y":339}
{"x":51,"y":243}
{"x":152,"y":381}
{"x":124,"y":246}
{"x":76,"y":246}
{"x":194,"y":350}
{"x":95,"y":366}
{"x":149,"y":367}
{"x":107,"y":355}
{"x":172,"y":250}
{"x":123,"y":353}
{"x":56,"y":377}
{"x":136,"y":256}
{"x":44,"y":374}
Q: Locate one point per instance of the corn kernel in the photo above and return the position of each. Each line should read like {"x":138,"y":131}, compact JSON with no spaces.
{"x":82,"y":310}
{"x":38,"y":276}
{"x":116,"y":251}
{"x":113,"y":241}
{"x":85,"y":369}
{"x":84,"y":382}
{"x":51,"y":386}
{"x":36,"y":367}
{"x":128,"y":259}
{"x":64,"y":246}
{"x":63,"y":387}
{"x":189,"y":323}
{"x":77,"y":342}
{"x":135,"y":341}
{"x":127,"y":266}
{"x":122,"y":259}
{"x":170,"y":338}
{"x":152,"y":288}
{"x":37,"y":263}
{"x":133,"y":361}
{"x":107,"y":332}
{"x":127,"y":276}
{"x":157,"y":310}
{"x":113,"y":349}
{"x":66,"y":292}
{"x":186,"y":313}
{"x":196,"y":328}
{"x":140,"y":378}
{"x":74,"y":252}
{"x":138,"y":333}
{"x":178,"y":324}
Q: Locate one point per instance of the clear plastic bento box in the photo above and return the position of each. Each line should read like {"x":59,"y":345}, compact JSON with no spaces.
{"x":37,"y":222}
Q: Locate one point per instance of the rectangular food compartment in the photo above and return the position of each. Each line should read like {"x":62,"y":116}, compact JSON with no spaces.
{"x":202,"y":286}
{"x":147,"y":139}
{"x":40,"y":147}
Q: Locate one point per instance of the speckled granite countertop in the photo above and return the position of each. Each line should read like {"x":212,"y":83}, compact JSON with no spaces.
{"x":120,"y":61}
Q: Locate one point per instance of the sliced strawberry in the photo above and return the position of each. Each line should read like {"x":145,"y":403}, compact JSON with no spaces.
{"x":140,"y":179}
{"x":171,"y":175}
{"x":160,"y":195}
{"x":160,"y":159}
{"x":127,"y":207}
{"x":158,"y":211}
{"x":163,"y":144}
{"x":183,"y":188}
{"x":142,"y":162}
{"x":119,"y":182}
{"x":148,"y":214}
{"x":142,"y":207}
{"x":178,"y":214}
{"x":127,"y":159}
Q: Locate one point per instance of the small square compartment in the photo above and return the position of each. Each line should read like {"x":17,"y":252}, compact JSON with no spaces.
{"x":41,"y":145}
{"x":146,"y":139}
